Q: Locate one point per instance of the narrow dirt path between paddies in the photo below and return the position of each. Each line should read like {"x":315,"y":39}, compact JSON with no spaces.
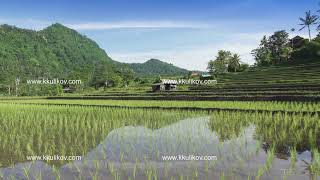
{"x":312,"y":113}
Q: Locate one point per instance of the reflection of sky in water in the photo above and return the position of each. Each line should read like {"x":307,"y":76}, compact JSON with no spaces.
{"x":128,"y":146}
{"x":187,"y":137}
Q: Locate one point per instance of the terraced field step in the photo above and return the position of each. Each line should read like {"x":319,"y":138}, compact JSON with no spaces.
{"x":252,"y":90}
{"x":300,"y":98}
{"x":177,"y":108}
{"x":273,"y":75}
{"x":283,"y":70}
{"x":277,"y":75}
{"x":309,"y":65}
{"x":260,"y":87}
{"x":277,"y":79}
{"x":232,"y":85}
{"x":234,"y":93}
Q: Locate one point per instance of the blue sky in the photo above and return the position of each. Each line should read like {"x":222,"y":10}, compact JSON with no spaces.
{"x":187,"y":33}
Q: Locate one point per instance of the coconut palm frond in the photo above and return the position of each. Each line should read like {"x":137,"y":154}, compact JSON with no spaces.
{"x":302,"y":28}
{"x":303,"y":20}
{"x":308,"y":21}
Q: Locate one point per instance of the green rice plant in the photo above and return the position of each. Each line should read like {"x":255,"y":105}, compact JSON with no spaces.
{"x":116,"y":176}
{"x":166,"y":173}
{"x":315,"y":163}
{"x":249,"y":176}
{"x":270,"y":157}
{"x":293,"y":158}
{"x":206,"y":168}
{"x":1,"y":175}
{"x":94,"y":175}
{"x":180,"y":177}
{"x":260,"y":172}
{"x":26,"y":173}
{"x":56,"y":172}
{"x":222,"y":176}
{"x":134,"y":173}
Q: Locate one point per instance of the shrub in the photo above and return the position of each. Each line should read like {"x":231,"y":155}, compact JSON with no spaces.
{"x":40,"y":90}
{"x":309,"y":52}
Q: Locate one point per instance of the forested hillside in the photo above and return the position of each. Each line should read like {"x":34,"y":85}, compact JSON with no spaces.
{"x":54,"y":52}
{"x":155,"y":67}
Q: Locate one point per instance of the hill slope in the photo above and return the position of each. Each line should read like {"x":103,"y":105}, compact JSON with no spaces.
{"x":55,"y":52}
{"x":155,"y":67}
{"x":276,"y":76}
{"x":296,"y":82}
{"x":60,"y":52}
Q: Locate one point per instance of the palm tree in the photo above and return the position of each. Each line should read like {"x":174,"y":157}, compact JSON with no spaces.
{"x":235,"y":62}
{"x":308,"y":21}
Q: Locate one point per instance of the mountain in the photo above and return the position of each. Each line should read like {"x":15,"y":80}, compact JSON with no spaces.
{"x":155,"y":67}
{"x":54,"y":52}
{"x":58,"y":52}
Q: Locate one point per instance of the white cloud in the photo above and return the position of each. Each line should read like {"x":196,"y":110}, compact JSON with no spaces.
{"x":192,"y":59}
{"x":196,"y":58}
{"x":135,"y":24}
{"x":40,"y":24}
{"x":28,"y":23}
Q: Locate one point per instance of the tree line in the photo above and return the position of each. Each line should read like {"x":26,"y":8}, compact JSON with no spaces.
{"x":278,"y":48}
{"x":275,"y":49}
{"x":226,"y":61}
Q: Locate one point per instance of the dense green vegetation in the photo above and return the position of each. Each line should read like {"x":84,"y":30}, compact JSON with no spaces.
{"x":279,"y":49}
{"x":62,"y":53}
{"x":154,"y":67}
{"x":55,"y":52}
{"x":58,"y":52}
{"x":273,"y":50}
{"x":225,"y":61}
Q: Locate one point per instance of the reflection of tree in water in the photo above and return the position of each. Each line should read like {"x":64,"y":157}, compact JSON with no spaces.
{"x":281,"y":131}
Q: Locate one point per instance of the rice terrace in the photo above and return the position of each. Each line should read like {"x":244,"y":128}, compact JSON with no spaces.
{"x":69,"y":110}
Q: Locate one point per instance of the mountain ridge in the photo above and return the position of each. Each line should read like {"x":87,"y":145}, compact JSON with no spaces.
{"x":156,"y":67}
{"x":61,"y":52}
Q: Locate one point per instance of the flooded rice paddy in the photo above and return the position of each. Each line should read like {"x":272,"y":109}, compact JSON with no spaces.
{"x":117,"y":143}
